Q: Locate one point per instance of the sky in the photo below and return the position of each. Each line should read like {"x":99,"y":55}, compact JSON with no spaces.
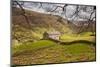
{"x":70,"y":9}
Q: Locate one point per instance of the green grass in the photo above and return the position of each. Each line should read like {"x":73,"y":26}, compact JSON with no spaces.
{"x":59,"y":54}
{"x":33,"y":45}
{"x":79,"y":48}
{"x":82,"y":36}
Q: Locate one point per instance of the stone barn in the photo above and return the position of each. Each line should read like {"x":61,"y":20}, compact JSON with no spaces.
{"x":53,"y":35}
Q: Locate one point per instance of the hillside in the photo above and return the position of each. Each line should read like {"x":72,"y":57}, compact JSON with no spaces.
{"x":82,"y":26}
{"x":38,"y":24}
{"x":28,"y":47}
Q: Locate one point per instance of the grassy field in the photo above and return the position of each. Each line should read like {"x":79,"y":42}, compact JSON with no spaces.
{"x":57,"y":54}
{"x":82,"y":36}
{"x":45,"y":51}
{"x":32,"y":45}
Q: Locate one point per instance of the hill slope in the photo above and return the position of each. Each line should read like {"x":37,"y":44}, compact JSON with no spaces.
{"x":38,"y":24}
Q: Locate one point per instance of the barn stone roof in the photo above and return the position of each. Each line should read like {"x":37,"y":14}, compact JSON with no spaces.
{"x":54,"y":33}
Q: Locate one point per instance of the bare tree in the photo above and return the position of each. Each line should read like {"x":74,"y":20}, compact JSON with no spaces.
{"x":15,"y":3}
{"x":77,"y":14}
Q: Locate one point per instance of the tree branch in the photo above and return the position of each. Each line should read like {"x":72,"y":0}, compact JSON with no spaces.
{"x":23,"y":12}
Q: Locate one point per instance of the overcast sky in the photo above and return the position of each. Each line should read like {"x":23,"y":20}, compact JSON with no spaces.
{"x":36,"y":6}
